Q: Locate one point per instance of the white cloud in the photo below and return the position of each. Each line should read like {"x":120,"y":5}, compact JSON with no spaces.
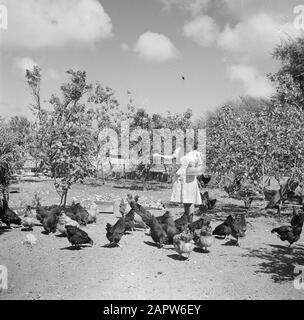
{"x":21,"y":64}
{"x":252,"y":82}
{"x":155,"y":47}
{"x":203,"y":30}
{"x":194,"y":7}
{"x":37,"y":24}
{"x":256,"y":36}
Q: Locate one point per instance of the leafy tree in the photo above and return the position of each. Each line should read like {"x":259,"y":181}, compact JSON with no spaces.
{"x":10,"y":157}
{"x":66,"y":144}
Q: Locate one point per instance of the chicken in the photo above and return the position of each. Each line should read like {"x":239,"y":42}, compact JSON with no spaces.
{"x":203,"y":179}
{"x":116,"y":231}
{"x":293,"y":232}
{"x":207,"y":204}
{"x":237,"y":231}
{"x":64,"y":221}
{"x":139,"y":222}
{"x":169,"y":226}
{"x":129,"y":220}
{"x":28,"y":221}
{"x":224,"y":229}
{"x":140,"y":210}
{"x":211,"y":203}
{"x":77,"y":237}
{"x":198,"y":224}
{"x":50,"y":221}
{"x":296,"y":218}
{"x":42,"y":212}
{"x":157,"y":232}
{"x":8,"y":216}
{"x":182,"y":222}
{"x":78,"y":213}
{"x":183,"y":243}
{"x":161,"y":219}
{"x":92,"y":211}
{"x":288,"y":233}
{"x":203,"y":238}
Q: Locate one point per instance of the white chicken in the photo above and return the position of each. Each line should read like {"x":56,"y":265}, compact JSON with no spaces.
{"x":63,"y":221}
{"x":28,"y":221}
{"x":93,"y":210}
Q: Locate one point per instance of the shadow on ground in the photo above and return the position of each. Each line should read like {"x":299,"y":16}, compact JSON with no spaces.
{"x":278,"y":261}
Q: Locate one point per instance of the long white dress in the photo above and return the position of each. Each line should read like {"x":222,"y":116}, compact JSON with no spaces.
{"x":185,"y":188}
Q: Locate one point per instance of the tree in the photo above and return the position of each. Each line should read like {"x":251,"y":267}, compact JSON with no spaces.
{"x":66,"y":144}
{"x":289,"y":79}
{"x":10,"y":157}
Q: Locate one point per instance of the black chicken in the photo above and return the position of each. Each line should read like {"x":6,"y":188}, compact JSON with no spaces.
{"x":203,"y":179}
{"x":116,"y":231}
{"x":158,"y":234}
{"x":293,"y":232}
{"x":77,"y":237}
{"x":198,"y":224}
{"x":50,"y":221}
{"x":182,"y":222}
{"x":224,"y":229}
{"x":140,"y":210}
{"x":78,"y":213}
{"x":8,"y":216}
{"x":169,"y":227}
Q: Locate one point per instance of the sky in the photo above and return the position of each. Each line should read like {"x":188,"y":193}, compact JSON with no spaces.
{"x":222,"y":49}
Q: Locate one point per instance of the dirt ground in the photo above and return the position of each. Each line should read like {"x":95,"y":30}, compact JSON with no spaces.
{"x":261,"y":268}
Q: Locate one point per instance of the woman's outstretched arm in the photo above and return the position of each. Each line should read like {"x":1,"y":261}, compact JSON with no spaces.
{"x":195,"y":171}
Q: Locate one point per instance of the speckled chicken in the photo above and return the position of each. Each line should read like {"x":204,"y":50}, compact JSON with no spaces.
{"x":28,"y":221}
{"x":183,"y":243}
{"x":64,"y":221}
{"x":203,"y":238}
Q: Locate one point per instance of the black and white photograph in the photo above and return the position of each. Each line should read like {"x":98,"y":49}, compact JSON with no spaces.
{"x":151,"y":150}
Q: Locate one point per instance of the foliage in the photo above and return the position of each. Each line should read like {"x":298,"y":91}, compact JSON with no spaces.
{"x":10,"y":155}
{"x":65,"y":143}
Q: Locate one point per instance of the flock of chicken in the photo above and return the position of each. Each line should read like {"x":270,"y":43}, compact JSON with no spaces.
{"x":183,"y":233}
{"x":66,"y":221}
